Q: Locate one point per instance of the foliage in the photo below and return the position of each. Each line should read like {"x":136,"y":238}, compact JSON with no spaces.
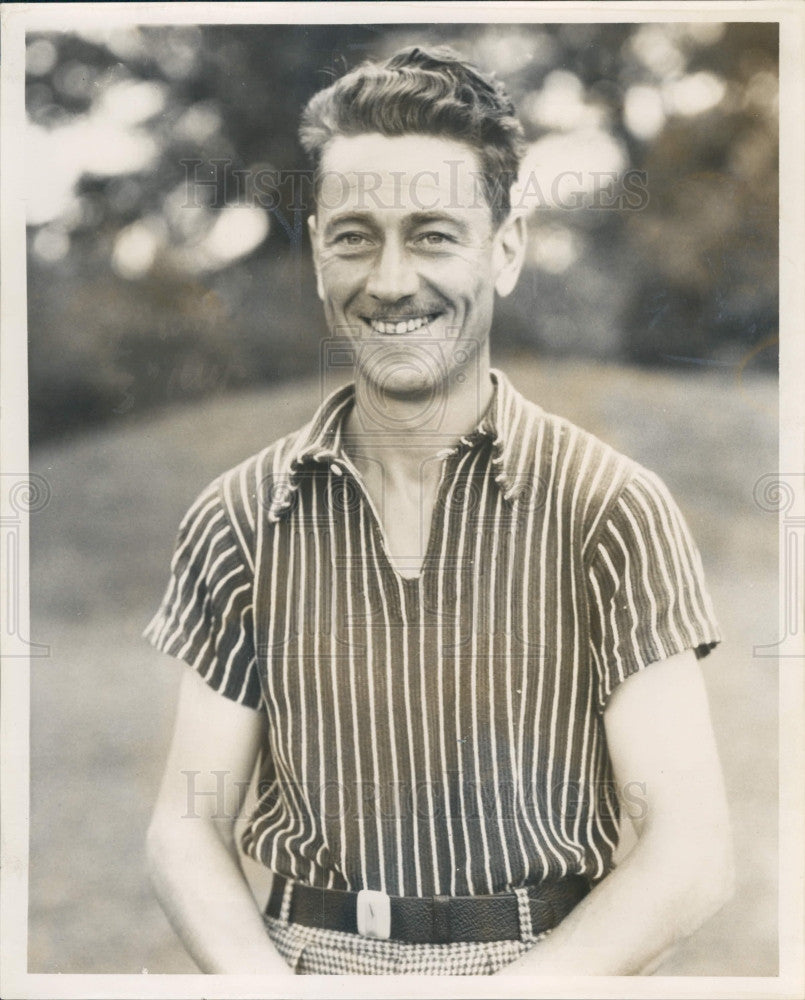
{"x":164,"y":264}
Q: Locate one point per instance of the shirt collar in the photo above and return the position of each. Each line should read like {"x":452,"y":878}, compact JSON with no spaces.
{"x":503,"y":423}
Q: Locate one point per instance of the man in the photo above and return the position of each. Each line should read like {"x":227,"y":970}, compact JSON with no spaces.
{"x":453,"y":627}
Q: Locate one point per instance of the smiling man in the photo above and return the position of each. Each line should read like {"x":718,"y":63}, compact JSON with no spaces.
{"x":455,"y":634}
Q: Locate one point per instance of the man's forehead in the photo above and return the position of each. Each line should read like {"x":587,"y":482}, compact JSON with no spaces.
{"x":410,"y":172}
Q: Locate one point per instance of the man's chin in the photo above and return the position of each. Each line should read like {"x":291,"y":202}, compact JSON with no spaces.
{"x":400,"y":383}
{"x":403,"y":367}
{"x":399,"y":398}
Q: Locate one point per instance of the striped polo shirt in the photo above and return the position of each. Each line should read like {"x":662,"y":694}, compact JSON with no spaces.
{"x":442,"y":734}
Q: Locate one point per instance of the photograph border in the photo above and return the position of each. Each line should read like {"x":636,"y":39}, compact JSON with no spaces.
{"x":15,"y":980}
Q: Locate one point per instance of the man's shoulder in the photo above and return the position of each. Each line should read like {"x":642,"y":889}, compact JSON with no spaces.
{"x":254,"y":483}
{"x":587,"y":479}
{"x":558,"y":448}
{"x":573,"y":469}
{"x":569,"y":441}
{"x":246,"y":491}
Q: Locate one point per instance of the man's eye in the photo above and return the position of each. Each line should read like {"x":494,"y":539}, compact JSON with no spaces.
{"x":352,"y":239}
{"x":434,"y":239}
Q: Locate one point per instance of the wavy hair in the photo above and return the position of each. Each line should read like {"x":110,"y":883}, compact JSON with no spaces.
{"x":430,"y":92}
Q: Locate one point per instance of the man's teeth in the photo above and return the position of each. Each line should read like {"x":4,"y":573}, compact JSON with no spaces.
{"x":404,"y":326}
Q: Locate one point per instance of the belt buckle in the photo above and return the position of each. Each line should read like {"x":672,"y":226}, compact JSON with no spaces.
{"x":374,"y":914}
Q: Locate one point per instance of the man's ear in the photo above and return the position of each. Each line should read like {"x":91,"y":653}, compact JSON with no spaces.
{"x":314,"y":242}
{"x":509,"y":253}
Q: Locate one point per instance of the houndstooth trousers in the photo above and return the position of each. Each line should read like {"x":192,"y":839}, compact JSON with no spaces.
{"x":316,"y":951}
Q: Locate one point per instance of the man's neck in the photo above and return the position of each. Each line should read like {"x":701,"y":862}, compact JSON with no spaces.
{"x":404,"y":432}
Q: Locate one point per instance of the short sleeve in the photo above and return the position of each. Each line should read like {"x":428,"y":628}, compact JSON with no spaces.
{"x":648,"y":598}
{"x":206,"y":615}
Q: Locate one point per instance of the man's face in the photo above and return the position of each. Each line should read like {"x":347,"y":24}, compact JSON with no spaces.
{"x":408,"y":259}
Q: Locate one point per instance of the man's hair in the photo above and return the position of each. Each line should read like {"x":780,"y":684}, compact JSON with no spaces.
{"x":430,"y":92}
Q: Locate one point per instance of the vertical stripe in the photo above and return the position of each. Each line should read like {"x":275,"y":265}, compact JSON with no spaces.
{"x":659,"y":562}
{"x":320,"y":597}
{"x":208,"y":567}
{"x":181,"y":581}
{"x":627,"y":588}
{"x":570,"y":740}
{"x":476,"y":730}
{"x":356,"y":749}
{"x":303,"y":806}
{"x":228,"y":487}
{"x":457,"y":672}
{"x":440,"y":626}
{"x":338,"y":748}
{"x":514,"y":770}
{"x":489,"y":620}
{"x":294,"y":790}
{"x":270,"y":685}
{"x":413,"y":777}
{"x":685,"y":586}
{"x":541,"y":783}
{"x":555,"y":733}
{"x":524,"y":774}
{"x":390,"y":727}
{"x":435,"y":874}
{"x":377,"y":777}
{"x":637,"y":540}
{"x":488,"y":684}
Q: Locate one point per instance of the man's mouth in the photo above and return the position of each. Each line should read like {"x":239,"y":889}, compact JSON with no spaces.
{"x":400,"y":326}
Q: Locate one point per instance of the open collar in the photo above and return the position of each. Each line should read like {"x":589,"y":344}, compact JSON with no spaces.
{"x":504,"y":423}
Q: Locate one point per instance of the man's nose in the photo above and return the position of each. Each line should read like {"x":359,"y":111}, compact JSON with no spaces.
{"x":392,"y":277}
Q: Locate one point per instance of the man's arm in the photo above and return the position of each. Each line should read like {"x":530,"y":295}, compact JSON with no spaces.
{"x":191,"y":851}
{"x":680,"y":870}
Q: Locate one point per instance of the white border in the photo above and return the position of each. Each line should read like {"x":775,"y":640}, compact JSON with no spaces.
{"x":18,"y":18}
{"x":792,"y":459}
{"x":15,"y":675}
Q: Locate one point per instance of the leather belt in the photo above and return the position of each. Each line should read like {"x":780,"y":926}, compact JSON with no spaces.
{"x":427,"y":919}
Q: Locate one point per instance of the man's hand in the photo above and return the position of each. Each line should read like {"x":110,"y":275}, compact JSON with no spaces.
{"x":679,"y":873}
{"x":191,"y":852}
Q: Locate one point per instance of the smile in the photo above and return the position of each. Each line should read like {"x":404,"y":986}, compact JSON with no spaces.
{"x":401,"y":326}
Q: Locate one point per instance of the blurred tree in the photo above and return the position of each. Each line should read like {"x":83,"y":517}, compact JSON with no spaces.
{"x":168,"y":197}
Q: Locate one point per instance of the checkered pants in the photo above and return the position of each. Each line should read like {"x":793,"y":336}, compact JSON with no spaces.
{"x":314,"y":951}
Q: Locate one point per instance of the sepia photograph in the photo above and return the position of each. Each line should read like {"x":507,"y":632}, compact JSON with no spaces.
{"x":402,"y":551}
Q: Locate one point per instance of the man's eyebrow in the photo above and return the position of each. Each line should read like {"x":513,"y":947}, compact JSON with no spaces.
{"x":439,"y":218}
{"x":415,"y":219}
{"x":347,"y":219}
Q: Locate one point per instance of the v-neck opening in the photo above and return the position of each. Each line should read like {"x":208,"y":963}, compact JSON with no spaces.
{"x":408,"y":582}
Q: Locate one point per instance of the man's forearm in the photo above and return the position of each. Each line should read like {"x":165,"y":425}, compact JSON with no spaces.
{"x":649,"y":903}
{"x":202,"y":889}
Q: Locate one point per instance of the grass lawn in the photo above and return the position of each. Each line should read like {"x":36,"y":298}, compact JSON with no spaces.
{"x":102,"y":702}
